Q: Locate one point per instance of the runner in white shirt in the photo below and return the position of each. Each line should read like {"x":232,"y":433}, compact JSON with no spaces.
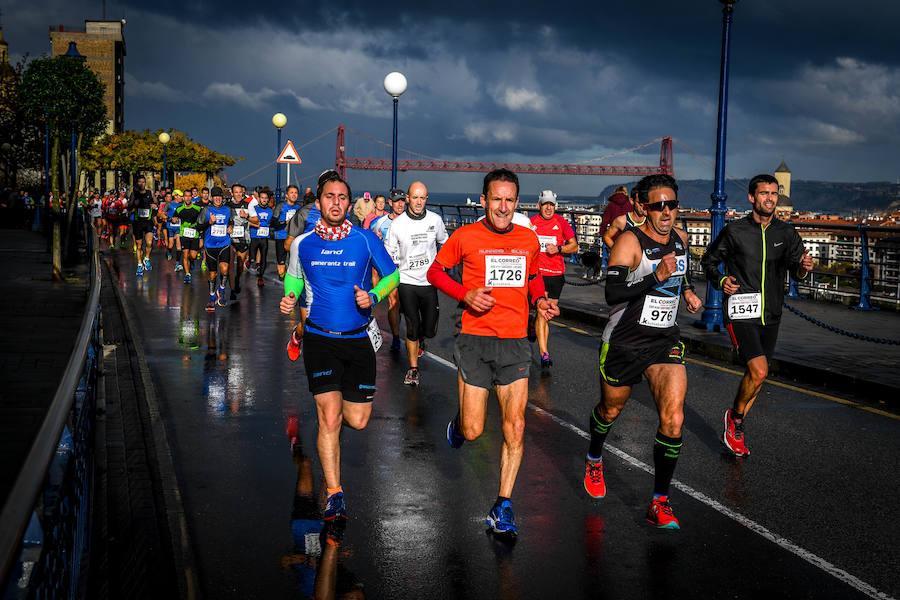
{"x":412,"y":242}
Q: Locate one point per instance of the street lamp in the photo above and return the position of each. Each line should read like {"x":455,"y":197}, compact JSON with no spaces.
{"x":395,"y":85}
{"x":711,"y":319}
{"x":164,"y":140}
{"x":279,"y":121}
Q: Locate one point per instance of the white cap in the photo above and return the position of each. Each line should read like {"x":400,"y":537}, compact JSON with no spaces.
{"x":547,"y":196}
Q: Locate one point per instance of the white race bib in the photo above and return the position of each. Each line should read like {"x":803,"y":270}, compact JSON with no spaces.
{"x":219,"y":230}
{"x":237,"y":231}
{"x":745,"y":306}
{"x":659,"y":311}
{"x":419,"y":261}
{"x":263,"y":232}
{"x":189,"y":232}
{"x":289,"y":215}
{"x":374,"y":334}
{"x":544,"y":240}
{"x":143,"y":213}
{"x":504,"y":271}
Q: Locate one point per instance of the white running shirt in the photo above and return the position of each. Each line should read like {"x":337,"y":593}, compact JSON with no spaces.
{"x":412,"y":244}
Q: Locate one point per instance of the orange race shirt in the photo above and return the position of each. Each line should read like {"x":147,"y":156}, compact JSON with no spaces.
{"x":502,"y":261}
{"x":555,"y":227}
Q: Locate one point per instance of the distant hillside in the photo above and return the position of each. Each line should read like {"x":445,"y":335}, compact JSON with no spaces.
{"x":818,"y":196}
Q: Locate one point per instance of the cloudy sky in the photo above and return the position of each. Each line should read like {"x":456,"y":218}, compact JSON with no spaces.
{"x":814,"y":83}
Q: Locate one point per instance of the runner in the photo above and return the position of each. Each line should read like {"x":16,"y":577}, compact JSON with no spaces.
{"x":380,"y":204}
{"x":240,"y":238}
{"x":96,"y":212}
{"x":412,"y":243}
{"x":188,"y":214}
{"x":281,"y":216}
{"x":500,"y":268}
{"x":381,"y":226}
{"x":260,"y":219}
{"x":204,"y":202}
{"x":633,"y":218}
{"x":216,"y":223}
{"x":647,"y":274}
{"x":143,"y":208}
{"x":757,"y":251}
{"x":173,"y":228}
{"x":334,"y":262}
{"x":556,"y":238}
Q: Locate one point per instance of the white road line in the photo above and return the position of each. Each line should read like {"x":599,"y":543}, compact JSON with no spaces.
{"x":750,"y":524}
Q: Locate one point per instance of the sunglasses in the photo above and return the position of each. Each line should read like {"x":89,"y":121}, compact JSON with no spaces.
{"x":660,"y":206}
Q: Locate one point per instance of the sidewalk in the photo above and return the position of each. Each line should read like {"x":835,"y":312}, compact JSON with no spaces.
{"x":805,"y":352}
{"x":40,"y":321}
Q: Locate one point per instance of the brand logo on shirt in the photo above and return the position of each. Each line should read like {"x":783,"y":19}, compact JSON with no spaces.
{"x":332,"y":251}
{"x":556,"y":227}
{"x":778,"y":244}
{"x":431,"y":228}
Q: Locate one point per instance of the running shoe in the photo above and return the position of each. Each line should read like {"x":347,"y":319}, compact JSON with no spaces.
{"x":454,"y":438}
{"x":733,"y":436}
{"x":187,"y":278}
{"x":220,"y":297}
{"x":203,"y":265}
{"x":168,"y":255}
{"x":334,"y":507}
{"x":247,"y":264}
{"x":147,"y":266}
{"x":412,"y":377}
{"x":421,"y":348}
{"x":395,"y":344}
{"x":294,"y":348}
{"x":140,"y":270}
{"x":660,"y":513}
{"x":281,"y":276}
{"x":502,"y":520}
{"x":178,"y":267}
{"x":546,"y":361}
{"x":260,"y":282}
{"x":594,"y":484}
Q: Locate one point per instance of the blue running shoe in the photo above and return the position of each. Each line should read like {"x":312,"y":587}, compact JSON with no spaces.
{"x":187,"y":278}
{"x":454,"y":438}
{"x":220,"y":297}
{"x":334,"y":507}
{"x":147,"y":266}
{"x":502,"y":520}
{"x":395,"y":344}
{"x":140,"y":270}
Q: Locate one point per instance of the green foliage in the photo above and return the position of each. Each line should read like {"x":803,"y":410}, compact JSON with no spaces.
{"x":133,"y":151}
{"x":63,"y":90}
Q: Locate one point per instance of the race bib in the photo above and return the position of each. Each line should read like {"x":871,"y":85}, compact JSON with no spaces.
{"x":543,"y":240}
{"x":237,"y":231}
{"x":659,"y":311}
{"x":263,"y":232}
{"x":144,"y":213}
{"x":219,"y":230}
{"x":745,"y":306}
{"x":289,"y":215}
{"x":419,"y":261}
{"x":504,"y":271}
{"x":190,"y":232}
{"x":374,"y":334}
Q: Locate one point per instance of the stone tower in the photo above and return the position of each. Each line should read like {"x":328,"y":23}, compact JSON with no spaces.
{"x":783,"y":175}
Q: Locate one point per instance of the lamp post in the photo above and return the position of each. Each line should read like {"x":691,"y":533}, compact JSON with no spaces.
{"x":395,"y":85}
{"x":711,"y":319}
{"x":164,"y":140}
{"x":46,"y":155}
{"x":279,"y":121}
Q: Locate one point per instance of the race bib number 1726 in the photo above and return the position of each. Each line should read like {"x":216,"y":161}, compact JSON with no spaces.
{"x":504,"y":271}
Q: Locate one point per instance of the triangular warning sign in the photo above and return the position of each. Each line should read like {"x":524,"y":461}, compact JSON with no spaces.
{"x":289,"y":155}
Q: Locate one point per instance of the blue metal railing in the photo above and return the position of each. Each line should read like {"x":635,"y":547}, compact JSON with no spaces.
{"x":45,"y":523}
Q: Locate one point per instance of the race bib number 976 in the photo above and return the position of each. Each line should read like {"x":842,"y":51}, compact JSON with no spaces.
{"x":659,"y":311}
{"x":504,"y":271}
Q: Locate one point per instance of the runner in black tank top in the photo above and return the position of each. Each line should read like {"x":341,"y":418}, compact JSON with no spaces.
{"x":630,"y":220}
{"x":647,"y":275}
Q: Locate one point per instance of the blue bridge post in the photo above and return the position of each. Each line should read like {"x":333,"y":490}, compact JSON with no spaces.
{"x":865,"y":275}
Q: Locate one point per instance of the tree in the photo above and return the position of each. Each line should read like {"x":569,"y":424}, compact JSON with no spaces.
{"x":26,"y":137}
{"x":132,"y":152}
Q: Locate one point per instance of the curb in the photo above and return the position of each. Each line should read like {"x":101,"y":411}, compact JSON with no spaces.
{"x":887,"y":394}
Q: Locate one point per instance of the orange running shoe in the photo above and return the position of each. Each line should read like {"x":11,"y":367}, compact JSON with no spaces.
{"x":294,"y":347}
{"x":733,"y":436}
{"x":661,"y":515}
{"x":593,"y":478}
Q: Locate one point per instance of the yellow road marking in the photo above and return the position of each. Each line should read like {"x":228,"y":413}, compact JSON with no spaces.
{"x":780,"y":384}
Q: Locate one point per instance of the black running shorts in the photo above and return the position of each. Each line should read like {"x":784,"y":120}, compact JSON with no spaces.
{"x":554,"y":285}
{"x":620,"y":366}
{"x":752,"y":339}
{"x":280,"y":252}
{"x":190,"y":243}
{"x":345,"y":365}
{"x":142,"y":227}
{"x":214,"y":256}
{"x":240,"y":245}
{"x":486,"y":361}
{"x":420,"y":307}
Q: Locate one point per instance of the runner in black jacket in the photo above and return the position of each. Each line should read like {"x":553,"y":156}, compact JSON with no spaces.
{"x":757,"y":252}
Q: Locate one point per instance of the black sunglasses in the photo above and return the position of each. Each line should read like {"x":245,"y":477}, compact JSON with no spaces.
{"x":660,"y":206}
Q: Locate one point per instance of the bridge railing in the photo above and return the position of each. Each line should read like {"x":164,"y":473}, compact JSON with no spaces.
{"x":848,"y":266}
{"x":45,"y":523}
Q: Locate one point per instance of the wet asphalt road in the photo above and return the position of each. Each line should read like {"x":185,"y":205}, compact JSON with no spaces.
{"x":821,"y":479}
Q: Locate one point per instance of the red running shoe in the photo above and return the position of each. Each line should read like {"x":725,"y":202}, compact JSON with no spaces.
{"x":733,"y":436}
{"x":294,"y":347}
{"x":593,"y":478}
{"x":661,"y":515}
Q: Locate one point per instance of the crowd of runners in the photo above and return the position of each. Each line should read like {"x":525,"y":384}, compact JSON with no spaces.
{"x":338,"y":259}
